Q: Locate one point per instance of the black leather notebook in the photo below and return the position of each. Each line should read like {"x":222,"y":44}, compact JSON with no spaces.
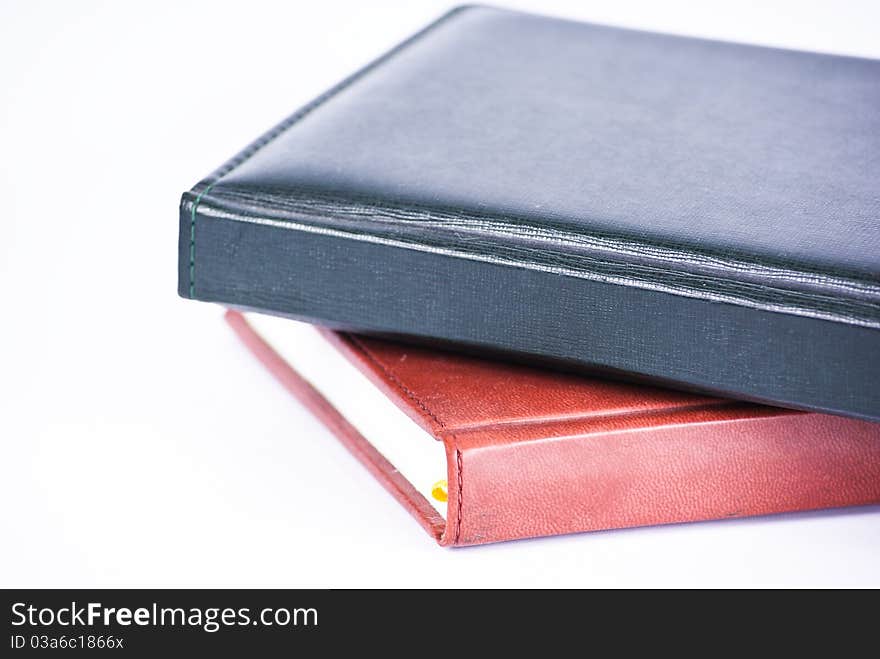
{"x":703,"y":214}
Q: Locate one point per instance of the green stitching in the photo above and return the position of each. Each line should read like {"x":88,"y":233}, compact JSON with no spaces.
{"x":291,"y":121}
{"x":192,"y":242}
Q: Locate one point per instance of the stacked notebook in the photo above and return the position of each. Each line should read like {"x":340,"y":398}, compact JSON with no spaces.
{"x":569,"y":277}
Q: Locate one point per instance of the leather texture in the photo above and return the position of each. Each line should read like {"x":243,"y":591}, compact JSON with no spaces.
{"x":710,"y":210}
{"x":533,"y":452}
{"x":400,"y":488}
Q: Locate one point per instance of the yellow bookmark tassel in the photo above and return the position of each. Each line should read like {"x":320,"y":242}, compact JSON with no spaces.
{"x":440,"y":490}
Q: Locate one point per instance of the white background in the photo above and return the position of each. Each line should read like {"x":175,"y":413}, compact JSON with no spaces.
{"x":141,"y":445}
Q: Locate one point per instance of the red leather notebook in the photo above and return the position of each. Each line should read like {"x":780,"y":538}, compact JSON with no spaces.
{"x":532,"y":452}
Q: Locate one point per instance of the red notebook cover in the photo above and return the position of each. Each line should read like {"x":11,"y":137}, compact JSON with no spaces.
{"x":533,"y":452}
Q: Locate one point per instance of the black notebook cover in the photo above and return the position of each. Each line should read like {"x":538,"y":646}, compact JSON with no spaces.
{"x":706,"y":214}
